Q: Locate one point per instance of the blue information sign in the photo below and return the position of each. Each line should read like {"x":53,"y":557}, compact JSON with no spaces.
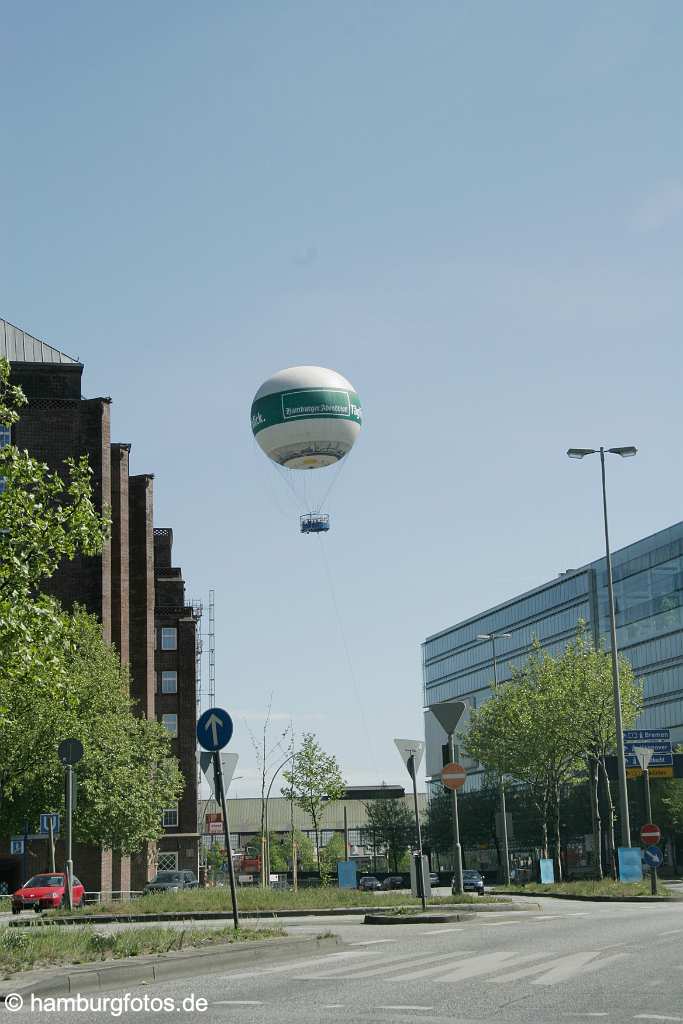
{"x":547,"y":871}
{"x":630,"y":864}
{"x":653,"y":856}
{"x":45,"y":823}
{"x":214,"y":729}
{"x":347,"y":873}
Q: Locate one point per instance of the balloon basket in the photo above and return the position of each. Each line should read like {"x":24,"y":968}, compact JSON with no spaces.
{"x":315,"y":522}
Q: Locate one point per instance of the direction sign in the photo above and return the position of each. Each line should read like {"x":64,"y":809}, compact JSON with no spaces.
{"x":640,"y":735}
{"x":453,"y":775}
{"x":653,"y":856}
{"x":411,"y":748}
{"x":650,"y":834}
{"x":70,"y":751}
{"x":45,"y":823}
{"x":214,"y":729}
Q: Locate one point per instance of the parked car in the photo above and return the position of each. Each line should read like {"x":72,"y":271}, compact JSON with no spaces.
{"x":169,"y":881}
{"x":434,"y":879}
{"x":393,"y":882}
{"x":369,"y":884}
{"x":190,"y":880}
{"x":473,"y":881}
{"x":46,"y":892}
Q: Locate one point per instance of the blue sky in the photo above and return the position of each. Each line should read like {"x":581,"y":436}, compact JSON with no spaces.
{"x":472,"y":211}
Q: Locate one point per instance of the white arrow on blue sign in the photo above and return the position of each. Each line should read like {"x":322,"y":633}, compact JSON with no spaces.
{"x":214,"y":729}
{"x":45,"y":823}
{"x":653,"y":856}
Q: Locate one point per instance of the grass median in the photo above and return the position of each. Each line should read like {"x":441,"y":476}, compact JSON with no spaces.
{"x":587,"y":888}
{"x":24,"y":949}
{"x":266,"y":901}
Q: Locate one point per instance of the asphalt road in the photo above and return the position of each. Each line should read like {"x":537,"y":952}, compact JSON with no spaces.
{"x":572,"y":961}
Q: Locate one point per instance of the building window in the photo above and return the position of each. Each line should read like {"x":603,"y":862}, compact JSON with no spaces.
{"x":169,"y":817}
{"x":169,"y":682}
{"x":169,"y":638}
{"x":167,"y":861}
{"x":170,"y":722}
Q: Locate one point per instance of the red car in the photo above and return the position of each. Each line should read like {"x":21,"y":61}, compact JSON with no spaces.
{"x":46,"y":892}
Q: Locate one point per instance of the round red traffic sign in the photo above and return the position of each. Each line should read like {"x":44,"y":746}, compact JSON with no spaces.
{"x":650,"y":834}
{"x":453,"y":775}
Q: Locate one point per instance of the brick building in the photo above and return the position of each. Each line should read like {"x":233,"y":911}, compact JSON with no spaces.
{"x":132,"y":587}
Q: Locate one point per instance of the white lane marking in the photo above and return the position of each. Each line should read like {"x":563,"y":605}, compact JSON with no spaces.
{"x":565,"y":967}
{"x":372,"y":942}
{"x":497,"y":924}
{"x":237,"y":1002}
{"x":385,"y":966}
{"x":442,"y":931}
{"x":382,"y":1007}
{"x":332,"y":1006}
{"x":677,"y":931}
{"x":472,"y":968}
{"x":654,"y":1016}
{"x":293,"y":965}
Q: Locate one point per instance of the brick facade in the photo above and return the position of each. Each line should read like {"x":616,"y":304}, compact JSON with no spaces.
{"x":121,"y":587}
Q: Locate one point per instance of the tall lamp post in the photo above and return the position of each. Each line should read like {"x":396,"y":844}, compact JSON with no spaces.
{"x":503,"y":810}
{"x":626,"y":452}
{"x":265,"y":866}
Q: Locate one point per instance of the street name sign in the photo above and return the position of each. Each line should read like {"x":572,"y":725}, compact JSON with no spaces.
{"x":650,"y":834}
{"x":653,"y":856}
{"x":453,"y":775}
{"x":214,"y":729}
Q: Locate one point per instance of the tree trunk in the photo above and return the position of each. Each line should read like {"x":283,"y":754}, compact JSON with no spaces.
{"x":558,"y":841}
{"x":611,"y":847}
{"x":595,"y":817}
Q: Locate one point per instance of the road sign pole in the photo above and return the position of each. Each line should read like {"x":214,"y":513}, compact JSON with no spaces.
{"x":648,"y":815}
{"x":69,"y":813}
{"x":218,"y":775}
{"x":457,"y":886}
{"x":51,"y":835}
{"x":413,"y":774}
{"x":25,"y":851}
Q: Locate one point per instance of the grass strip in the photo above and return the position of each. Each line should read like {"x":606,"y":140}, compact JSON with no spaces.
{"x":267,"y":901}
{"x":588,"y":887}
{"x":23,"y":949}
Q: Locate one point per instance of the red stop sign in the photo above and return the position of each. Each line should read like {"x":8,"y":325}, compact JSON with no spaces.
{"x":650,"y":834}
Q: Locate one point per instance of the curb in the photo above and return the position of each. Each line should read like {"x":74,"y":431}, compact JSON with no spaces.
{"x":413,"y":918}
{"x":185,"y":963}
{"x":225,"y":915}
{"x":596,"y":899}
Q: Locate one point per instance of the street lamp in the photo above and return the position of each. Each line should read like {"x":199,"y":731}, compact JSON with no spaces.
{"x":503,"y":810}
{"x":626,"y":452}
{"x":265,"y":859}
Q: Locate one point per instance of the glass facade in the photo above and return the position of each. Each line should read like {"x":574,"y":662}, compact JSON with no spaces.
{"x":648,"y":598}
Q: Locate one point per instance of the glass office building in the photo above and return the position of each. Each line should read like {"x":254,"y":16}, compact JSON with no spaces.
{"x":648,"y":596}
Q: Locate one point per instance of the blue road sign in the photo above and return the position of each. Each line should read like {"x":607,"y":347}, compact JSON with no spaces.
{"x":638,"y":735}
{"x":656,"y":748}
{"x":45,"y":823}
{"x":653,"y":856}
{"x":630,"y":864}
{"x":214,"y":729}
{"x":656,"y":761}
{"x":16,"y":846}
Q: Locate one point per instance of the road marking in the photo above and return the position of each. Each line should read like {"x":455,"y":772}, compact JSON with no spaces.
{"x":565,"y":967}
{"x":382,"y":1007}
{"x":472,"y":968}
{"x":676,"y":932}
{"x":237,"y":1002}
{"x":385,"y":966}
{"x":497,"y":924}
{"x":654,"y":1016}
{"x":372,"y":942}
{"x":293,"y":965}
{"x":333,"y":1006}
{"x":442,"y":931}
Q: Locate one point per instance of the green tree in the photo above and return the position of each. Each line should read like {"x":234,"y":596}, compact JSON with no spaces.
{"x":332,"y":852}
{"x":127,"y":775}
{"x":393,"y":827}
{"x":305,"y":853}
{"x":313,"y":781}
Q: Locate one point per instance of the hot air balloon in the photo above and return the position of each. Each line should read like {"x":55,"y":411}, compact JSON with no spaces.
{"x":306,"y":418}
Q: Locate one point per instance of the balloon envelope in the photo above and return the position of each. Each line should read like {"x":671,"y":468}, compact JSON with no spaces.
{"x":306,"y":417}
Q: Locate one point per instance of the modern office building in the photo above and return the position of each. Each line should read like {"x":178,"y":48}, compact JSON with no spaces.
{"x":132,"y":587}
{"x":648,"y":596}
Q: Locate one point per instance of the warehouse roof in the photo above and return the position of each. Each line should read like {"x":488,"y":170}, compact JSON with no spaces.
{"x":19,"y":347}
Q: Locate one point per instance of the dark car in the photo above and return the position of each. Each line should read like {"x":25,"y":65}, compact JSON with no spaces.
{"x":190,"y":879}
{"x":393,"y":882}
{"x":168,"y":881}
{"x":434,"y":879}
{"x":369,"y":884}
{"x":472,"y":881}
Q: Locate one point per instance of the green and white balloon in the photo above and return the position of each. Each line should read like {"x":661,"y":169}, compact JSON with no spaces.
{"x":306,"y":417}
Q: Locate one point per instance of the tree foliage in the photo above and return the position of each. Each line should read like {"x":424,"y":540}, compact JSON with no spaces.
{"x":391,"y":828}
{"x":313,"y":781}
